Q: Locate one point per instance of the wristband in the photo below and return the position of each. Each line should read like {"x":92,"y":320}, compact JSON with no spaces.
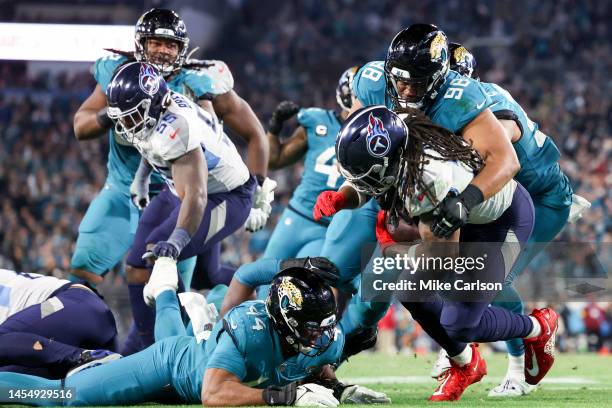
{"x":471,"y":196}
{"x":260,"y":179}
{"x":179,"y":238}
{"x":275,"y":395}
{"x":103,"y":119}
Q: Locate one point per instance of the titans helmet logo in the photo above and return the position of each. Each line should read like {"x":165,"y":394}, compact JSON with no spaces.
{"x":377,"y":139}
{"x":148,"y":80}
{"x":438,"y":47}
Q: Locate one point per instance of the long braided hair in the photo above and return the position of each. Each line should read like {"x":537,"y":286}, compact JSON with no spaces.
{"x":425,"y":135}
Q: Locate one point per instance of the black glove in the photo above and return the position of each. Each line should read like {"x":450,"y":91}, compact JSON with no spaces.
{"x":454,"y":211}
{"x":321,"y":266}
{"x":103,"y":119}
{"x":355,"y":343}
{"x":284,"y":111}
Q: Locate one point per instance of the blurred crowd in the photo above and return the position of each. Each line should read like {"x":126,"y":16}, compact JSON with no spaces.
{"x":553,"y":56}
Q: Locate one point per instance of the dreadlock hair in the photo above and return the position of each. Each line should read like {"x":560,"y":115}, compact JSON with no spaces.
{"x":424,"y":134}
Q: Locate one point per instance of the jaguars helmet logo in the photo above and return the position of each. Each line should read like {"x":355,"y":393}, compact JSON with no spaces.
{"x":460,"y":54}
{"x":438,"y":47}
{"x":289,"y":294}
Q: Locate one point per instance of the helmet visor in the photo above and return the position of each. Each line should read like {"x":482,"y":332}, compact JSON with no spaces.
{"x":409,"y":90}
{"x":315,"y":338}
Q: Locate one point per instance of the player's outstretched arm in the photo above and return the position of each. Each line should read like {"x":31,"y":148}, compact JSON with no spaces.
{"x":238,"y":115}
{"x":91,"y":120}
{"x":490,"y":140}
{"x":290,"y":151}
{"x":220,"y":388}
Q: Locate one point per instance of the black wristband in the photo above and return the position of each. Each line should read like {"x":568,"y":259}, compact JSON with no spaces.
{"x":103,"y":120}
{"x":471,"y":196}
{"x":275,"y":395}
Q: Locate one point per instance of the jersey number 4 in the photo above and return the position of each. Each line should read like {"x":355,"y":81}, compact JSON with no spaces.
{"x":331,"y":170}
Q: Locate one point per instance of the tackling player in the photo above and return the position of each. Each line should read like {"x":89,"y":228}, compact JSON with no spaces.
{"x":48,"y":324}
{"x":384,"y":157}
{"x":254,"y":356}
{"x":550,"y":191}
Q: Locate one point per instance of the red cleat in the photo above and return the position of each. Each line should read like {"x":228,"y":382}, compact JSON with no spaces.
{"x":456,"y":379}
{"x":540,"y":351}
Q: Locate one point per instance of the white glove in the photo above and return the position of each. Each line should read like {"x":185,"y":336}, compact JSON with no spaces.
{"x":315,"y":395}
{"x":356,"y":394}
{"x":203,"y":315}
{"x":579,"y":205}
{"x":164,"y":277}
{"x":262,"y":206}
{"x":139,"y":192}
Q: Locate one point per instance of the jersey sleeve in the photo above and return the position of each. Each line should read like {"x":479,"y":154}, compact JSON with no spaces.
{"x":457,"y":108}
{"x":260,"y":272}
{"x":369,"y":84}
{"x":307,"y":117}
{"x":200,"y":83}
{"x":226,"y":356}
{"x":104,"y":68}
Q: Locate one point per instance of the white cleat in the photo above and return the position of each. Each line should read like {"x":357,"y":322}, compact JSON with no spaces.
{"x":442,"y":364}
{"x":512,"y":387}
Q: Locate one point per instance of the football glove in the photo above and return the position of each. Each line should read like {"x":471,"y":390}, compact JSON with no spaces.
{"x":314,"y":395}
{"x":579,"y":206}
{"x":284,"y":111}
{"x":328,"y":203}
{"x":262,"y":206}
{"x":454,"y":211}
{"x":163,"y":277}
{"x":357,"y":394}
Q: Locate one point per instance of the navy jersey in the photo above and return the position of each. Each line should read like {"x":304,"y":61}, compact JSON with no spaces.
{"x":320,"y":169}
{"x":540,"y":173}
{"x":123,"y":160}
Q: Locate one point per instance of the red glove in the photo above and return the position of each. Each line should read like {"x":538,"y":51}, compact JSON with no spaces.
{"x":382,"y":234}
{"x":328,"y":203}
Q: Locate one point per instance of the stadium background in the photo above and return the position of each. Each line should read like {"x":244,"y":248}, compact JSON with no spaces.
{"x":553,"y":56}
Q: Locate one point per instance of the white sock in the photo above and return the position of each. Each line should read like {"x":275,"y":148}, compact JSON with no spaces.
{"x":464,"y":357}
{"x":516,"y":367}
{"x":537,"y":329}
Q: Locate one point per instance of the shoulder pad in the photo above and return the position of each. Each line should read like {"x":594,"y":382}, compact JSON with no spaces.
{"x":247,"y":324}
{"x":221,"y":76}
{"x":309,"y":117}
{"x":369,"y":84}
{"x":172,"y":136}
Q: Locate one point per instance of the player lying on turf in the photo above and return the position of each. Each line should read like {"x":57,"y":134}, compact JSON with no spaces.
{"x":414,"y":168}
{"x":255,"y":355}
{"x":49,"y":326}
{"x":553,"y":201}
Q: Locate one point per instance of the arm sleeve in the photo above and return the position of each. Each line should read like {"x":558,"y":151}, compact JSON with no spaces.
{"x":226,"y":356}
{"x":260,"y":272}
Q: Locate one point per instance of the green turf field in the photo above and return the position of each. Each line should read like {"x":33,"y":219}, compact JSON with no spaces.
{"x":576,"y":380}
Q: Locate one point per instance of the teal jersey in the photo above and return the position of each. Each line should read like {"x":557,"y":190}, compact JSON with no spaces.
{"x":458,"y":101}
{"x":320,"y":170}
{"x":540,"y":173}
{"x":123,"y":160}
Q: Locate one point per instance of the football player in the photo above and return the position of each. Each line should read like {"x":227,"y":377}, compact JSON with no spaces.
{"x":209,"y":190}
{"x":314,"y":140}
{"x":413,"y":168}
{"x":552,"y":197}
{"x":254,"y":356}
{"x":46,"y":323}
{"x":108,"y":227}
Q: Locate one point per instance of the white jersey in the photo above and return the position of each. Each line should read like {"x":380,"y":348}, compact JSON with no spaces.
{"x":185,"y":126}
{"x":442,"y":177}
{"x":21,"y":290}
